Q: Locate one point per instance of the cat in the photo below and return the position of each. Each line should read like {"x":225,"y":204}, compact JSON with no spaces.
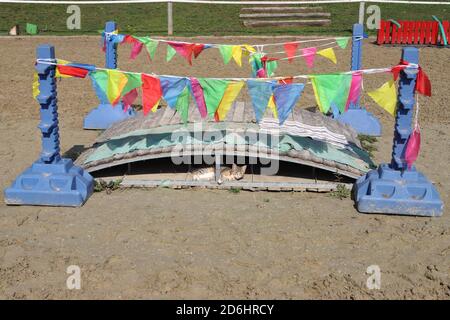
{"x":226,"y":174}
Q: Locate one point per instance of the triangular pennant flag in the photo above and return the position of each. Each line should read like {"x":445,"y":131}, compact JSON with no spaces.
{"x":171,"y":88}
{"x":197,"y":49}
{"x":309,"y":54}
{"x":116,"y":83}
{"x":260,"y":93}
{"x":213,"y":91}
{"x":386,"y":96}
{"x":65,"y":71}
{"x":270,"y":66}
{"x":36,"y":90}
{"x":182,"y":105}
{"x":413,"y":147}
{"x":170,"y":53}
{"x":342,"y":42}
{"x":355,"y":90}
{"x":231,"y":92}
{"x":236,"y":52}
{"x":149,"y":44}
{"x":197,"y":92}
{"x":248,"y":49}
{"x":226,"y":51}
{"x":286,"y":96}
{"x":257,"y":66}
{"x":423,"y":84}
{"x":273,"y":107}
{"x":331,"y":88}
{"x":129,"y":98}
{"x":136,"y":48}
{"x":183,"y":49}
{"x":329,"y":54}
{"x":129,"y":92}
{"x":151,"y":93}
{"x":99,"y":83}
{"x":290,"y":48}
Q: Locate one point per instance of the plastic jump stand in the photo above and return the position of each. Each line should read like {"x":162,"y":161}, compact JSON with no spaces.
{"x":103,"y":116}
{"x":356,"y":116}
{"x":393,"y":188}
{"x":51,"y":180}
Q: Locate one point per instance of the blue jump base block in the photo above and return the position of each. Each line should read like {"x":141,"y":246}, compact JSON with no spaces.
{"x":395,"y":188}
{"x":104,"y":115}
{"x":359,"y":118}
{"x":51,"y":184}
{"x":51,"y":180}
{"x":390,"y":191}
{"x":362,"y":121}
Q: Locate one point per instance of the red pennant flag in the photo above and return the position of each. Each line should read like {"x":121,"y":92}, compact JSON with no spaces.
{"x":290,"y":48}
{"x":72,"y":71}
{"x":197,"y":49}
{"x":423,"y":84}
{"x":151,"y":92}
{"x":183,"y":49}
{"x":129,"y":98}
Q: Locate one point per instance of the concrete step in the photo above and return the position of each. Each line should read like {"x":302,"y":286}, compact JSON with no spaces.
{"x":285,"y":15}
{"x":286,"y":23}
{"x":280,"y":9}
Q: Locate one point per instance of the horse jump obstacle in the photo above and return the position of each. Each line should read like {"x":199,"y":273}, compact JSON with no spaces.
{"x":392,"y":188}
{"x":357,"y":117}
{"x":414,"y":32}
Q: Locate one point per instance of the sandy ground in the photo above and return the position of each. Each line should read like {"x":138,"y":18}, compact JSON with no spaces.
{"x":164,"y":243}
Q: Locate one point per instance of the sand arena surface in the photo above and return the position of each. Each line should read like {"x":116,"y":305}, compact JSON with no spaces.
{"x":164,"y":243}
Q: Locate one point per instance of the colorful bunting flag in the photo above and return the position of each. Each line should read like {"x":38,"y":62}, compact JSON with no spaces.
{"x":149,"y":44}
{"x":227,"y":52}
{"x":36,"y":90}
{"x":129,"y":98}
{"x":413,"y":146}
{"x":151,"y":93}
{"x":329,"y":54}
{"x":213,"y":91}
{"x":355,"y":90}
{"x":136,"y":49}
{"x":331,"y":89}
{"x":99,"y":83}
{"x":286,"y":96}
{"x":170,"y":53}
{"x":183,"y":49}
{"x":260,"y":93}
{"x":342,"y":42}
{"x":197,"y":49}
{"x":272,"y":106}
{"x":290,"y":48}
{"x":67,"y":71}
{"x":231,"y":93}
{"x":197,"y":92}
{"x":386,"y":96}
{"x":309,"y":54}
{"x":171,"y":88}
{"x":129,"y":92}
{"x":236,"y":52}
{"x":270,"y":65}
{"x":116,"y":83}
{"x":182,"y":105}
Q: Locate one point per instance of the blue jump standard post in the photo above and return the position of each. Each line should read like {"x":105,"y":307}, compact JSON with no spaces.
{"x":105,"y":114}
{"x":393,"y":188}
{"x":51,"y":180}
{"x":356,"y":116}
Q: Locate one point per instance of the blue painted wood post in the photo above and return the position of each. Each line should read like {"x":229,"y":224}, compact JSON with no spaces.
{"x":105,"y":114}
{"x":405,"y":105}
{"x":393,"y":188}
{"x":51,"y":180}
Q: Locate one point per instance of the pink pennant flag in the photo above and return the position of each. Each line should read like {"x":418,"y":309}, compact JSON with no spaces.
{"x":355,"y":90}
{"x":197,"y":90}
{"x":261,"y":73}
{"x":309,"y":54}
{"x":136,"y":49}
{"x":129,"y":98}
{"x":290,"y":48}
{"x":183,"y":49}
{"x":413,"y":146}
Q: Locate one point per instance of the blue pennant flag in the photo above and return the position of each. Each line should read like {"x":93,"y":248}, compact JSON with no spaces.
{"x":286,"y":96}
{"x":171,"y":88}
{"x":260,"y":92}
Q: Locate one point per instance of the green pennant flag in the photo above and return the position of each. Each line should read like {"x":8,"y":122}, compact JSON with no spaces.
{"x":227,"y":52}
{"x":134,"y":81}
{"x":149,"y":44}
{"x":342,"y":42}
{"x":182,"y":105}
{"x":31,"y":28}
{"x":213,"y":91}
{"x":331,"y":89}
{"x":170,"y":53}
{"x":271,"y":66}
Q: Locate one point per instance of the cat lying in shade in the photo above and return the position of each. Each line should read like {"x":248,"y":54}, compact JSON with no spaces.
{"x":226,"y":174}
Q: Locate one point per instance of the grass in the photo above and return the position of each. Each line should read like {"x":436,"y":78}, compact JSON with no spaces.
{"x":368,"y":143}
{"x":101,"y":185}
{"x":341,"y":192}
{"x":192,"y":19}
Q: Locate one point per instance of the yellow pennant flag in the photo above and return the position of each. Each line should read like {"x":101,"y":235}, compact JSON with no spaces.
{"x":273,"y":107}
{"x":116,"y":82}
{"x":386,"y":96}
{"x":36,"y":90}
{"x":248,"y":49}
{"x":231,"y":92}
{"x":236,"y":53}
{"x":329,"y":54}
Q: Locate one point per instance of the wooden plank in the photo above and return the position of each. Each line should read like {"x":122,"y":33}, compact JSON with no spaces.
{"x":285,"y":15}
{"x":285,"y":23}
{"x":280,"y":9}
